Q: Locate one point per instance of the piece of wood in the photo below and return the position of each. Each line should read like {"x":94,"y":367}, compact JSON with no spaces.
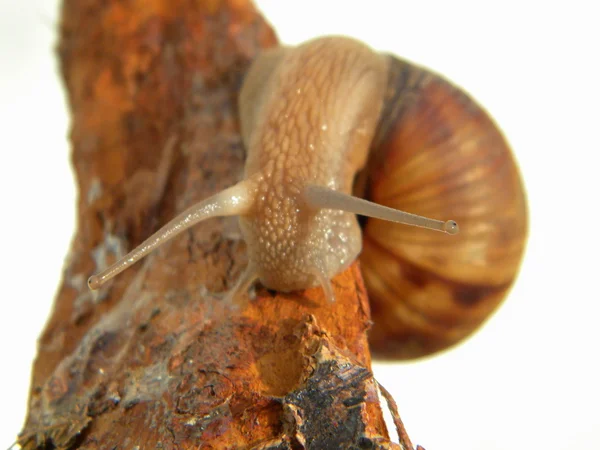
{"x":156,"y":359}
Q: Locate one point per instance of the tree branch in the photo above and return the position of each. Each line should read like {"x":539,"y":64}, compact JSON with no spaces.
{"x":156,"y":359}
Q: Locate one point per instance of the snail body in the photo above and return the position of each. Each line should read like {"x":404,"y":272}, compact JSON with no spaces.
{"x":312,"y":117}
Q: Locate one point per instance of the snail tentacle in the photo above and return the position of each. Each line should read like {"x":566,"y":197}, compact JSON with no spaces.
{"x":243,"y":283}
{"x":325,"y":284}
{"x":322,"y":197}
{"x":236,"y":200}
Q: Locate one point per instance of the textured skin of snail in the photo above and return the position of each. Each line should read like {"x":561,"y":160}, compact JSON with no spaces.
{"x":438,"y":154}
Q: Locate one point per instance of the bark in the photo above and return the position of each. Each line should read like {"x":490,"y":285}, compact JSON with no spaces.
{"x":156,"y":359}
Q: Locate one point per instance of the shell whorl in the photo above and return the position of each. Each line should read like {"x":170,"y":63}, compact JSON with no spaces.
{"x":438,"y":154}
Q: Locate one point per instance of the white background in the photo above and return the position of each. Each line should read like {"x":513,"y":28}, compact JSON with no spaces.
{"x":530,"y":378}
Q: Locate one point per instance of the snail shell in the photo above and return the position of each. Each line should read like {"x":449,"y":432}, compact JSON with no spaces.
{"x":437,"y":153}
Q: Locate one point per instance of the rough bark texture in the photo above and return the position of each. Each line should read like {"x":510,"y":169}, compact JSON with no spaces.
{"x":156,"y":359}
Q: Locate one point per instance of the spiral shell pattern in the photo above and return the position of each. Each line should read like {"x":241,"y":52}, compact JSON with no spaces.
{"x":438,"y":154}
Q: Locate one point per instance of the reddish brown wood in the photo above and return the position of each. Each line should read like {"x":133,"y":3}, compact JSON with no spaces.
{"x":157,"y":359}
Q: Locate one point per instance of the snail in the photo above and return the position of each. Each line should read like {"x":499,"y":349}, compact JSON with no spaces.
{"x":333,"y":130}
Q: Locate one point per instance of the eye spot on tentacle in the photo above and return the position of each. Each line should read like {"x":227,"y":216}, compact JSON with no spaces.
{"x":451,"y":227}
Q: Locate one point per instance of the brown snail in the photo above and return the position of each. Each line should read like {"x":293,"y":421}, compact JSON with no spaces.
{"x":314,"y":116}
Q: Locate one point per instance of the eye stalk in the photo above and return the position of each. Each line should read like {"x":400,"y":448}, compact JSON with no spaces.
{"x":322,"y":197}
{"x":233,"y":201}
